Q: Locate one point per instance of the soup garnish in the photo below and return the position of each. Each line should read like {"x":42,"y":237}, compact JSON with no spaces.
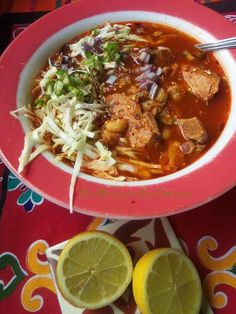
{"x":127,"y":102}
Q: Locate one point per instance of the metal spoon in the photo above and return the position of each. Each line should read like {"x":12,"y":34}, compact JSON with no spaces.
{"x":220,"y":44}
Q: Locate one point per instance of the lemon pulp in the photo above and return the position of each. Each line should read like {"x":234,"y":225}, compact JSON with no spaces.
{"x":166,"y":281}
{"x":93,"y":270}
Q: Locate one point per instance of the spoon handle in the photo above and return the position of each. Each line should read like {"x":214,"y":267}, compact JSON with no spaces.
{"x":220,"y":44}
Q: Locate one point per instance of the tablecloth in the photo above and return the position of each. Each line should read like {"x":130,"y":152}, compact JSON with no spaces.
{"x":30,"y":224}
{"x":48,"y":5}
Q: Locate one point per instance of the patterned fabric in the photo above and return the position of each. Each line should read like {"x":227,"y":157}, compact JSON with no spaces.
{"x":46,"y":5}
{"x":31,"y":224}
{"x":31,"y":5}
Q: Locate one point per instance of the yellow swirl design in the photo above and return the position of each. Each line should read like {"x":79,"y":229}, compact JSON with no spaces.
{"x":223,"y":262}
{"x":218,"y":299}
{"x":34,"y":264}
{"x":218,"y":266}
{"x":34,"y":303}
{"x":42,"y":278}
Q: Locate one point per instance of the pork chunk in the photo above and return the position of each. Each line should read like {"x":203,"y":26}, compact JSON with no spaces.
{"x":143,"y":130}
{"x":192,"y":129}
{"x":203,"y":84}
{"x":122,"y":106}
{"x":142,"y":127}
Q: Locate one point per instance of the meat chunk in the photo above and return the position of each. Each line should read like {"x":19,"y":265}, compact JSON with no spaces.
{"x":142,"y":127}
{"x":143,"y":130}
{"x":123,"y":107}
{"x":192,"y":129}
{"x":152,"y":106}
{"x":202,"y":83}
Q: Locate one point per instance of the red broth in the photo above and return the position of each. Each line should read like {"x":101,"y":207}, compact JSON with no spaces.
{"x":166,"y":103}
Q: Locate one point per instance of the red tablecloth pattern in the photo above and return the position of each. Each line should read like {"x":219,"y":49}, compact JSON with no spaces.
{"x":48,"y":5}
{"x":30,"y":224}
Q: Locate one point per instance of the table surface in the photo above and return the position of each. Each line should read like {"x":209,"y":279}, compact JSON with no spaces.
{"x":30,"y":224}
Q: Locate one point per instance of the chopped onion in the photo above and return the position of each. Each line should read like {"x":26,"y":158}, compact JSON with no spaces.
{"x":159,"y":71}
{"x":187,"y":147}
{"x":65,"y":59}
{"x":147,"y":58}
{"x":144,"y":57}
{"x":140,"y":77}
{"x":145,"y":67}
{"x":153,"y":90}
{"x":111,"y":80}
{"x":151,"y":75}
{"x":145,"y":83}
{"x":65,"y":67}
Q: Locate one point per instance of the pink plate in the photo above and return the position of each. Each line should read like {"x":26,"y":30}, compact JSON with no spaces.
{"x":150,"y":199}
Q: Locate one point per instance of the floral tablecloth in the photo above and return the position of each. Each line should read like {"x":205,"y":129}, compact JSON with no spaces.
{"x":30,"y":224}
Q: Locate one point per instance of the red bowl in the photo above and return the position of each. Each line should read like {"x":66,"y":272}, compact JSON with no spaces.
{"x":211,"y":176}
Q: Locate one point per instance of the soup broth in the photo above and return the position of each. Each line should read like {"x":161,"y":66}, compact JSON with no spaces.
{"x":128,"y":101}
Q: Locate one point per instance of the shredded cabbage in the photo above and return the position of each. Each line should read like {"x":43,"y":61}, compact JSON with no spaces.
{"x":68,"y":105}
{"x":104,"y":162}
{"x":108,"y":32}
{"x":75,"y":173}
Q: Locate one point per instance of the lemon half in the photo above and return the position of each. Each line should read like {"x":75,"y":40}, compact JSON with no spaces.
{"x":166,"y":281}
{"x":93,"y":270}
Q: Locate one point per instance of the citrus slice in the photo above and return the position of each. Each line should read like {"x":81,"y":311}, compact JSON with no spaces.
{"x":93,"y":270}
{"x":166,"y":281}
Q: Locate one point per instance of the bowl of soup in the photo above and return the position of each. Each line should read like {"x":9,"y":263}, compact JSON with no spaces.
{"x":115,"y":112}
